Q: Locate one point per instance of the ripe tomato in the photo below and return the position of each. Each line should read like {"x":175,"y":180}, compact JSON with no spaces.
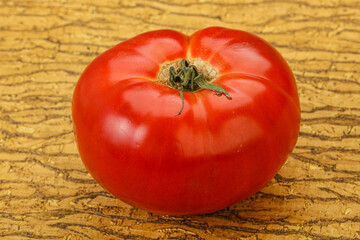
{"x":217,"y":151}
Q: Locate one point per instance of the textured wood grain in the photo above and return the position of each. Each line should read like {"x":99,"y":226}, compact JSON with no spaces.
{"x":45,"y":191}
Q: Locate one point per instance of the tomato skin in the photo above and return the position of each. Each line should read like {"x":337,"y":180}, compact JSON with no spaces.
{"x":217,"y":152}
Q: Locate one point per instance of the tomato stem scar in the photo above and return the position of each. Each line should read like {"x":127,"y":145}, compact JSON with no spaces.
{"x":187,"y":78}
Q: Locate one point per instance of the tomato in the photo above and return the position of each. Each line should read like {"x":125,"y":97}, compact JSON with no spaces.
{"x":217,"y":150}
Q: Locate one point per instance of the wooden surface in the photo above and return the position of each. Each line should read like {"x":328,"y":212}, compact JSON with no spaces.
{"x":45,"y":191}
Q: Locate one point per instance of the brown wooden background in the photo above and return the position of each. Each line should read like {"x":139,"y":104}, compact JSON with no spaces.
{"x":45,"y":191}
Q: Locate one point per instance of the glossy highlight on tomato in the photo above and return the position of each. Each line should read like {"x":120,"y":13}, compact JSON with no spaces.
{"x":217,"y":152}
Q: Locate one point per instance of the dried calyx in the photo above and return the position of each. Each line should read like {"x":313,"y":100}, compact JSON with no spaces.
{"x":187,"y":78}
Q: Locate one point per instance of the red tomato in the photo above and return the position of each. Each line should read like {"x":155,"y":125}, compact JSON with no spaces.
{"x":217,"y":151}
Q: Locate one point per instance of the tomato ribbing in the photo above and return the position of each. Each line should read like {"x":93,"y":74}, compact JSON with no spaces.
{"x":217,"y":151}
